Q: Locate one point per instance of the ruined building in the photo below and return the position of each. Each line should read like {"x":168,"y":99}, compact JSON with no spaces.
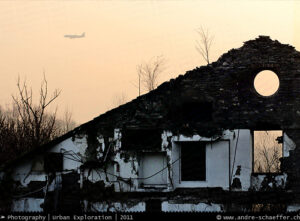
{"x":186,"y":146}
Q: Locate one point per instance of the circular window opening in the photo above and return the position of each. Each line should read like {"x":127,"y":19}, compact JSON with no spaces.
{"x":266,"y":83}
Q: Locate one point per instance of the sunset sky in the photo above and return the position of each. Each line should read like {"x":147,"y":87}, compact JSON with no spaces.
{"x":92,"y":71}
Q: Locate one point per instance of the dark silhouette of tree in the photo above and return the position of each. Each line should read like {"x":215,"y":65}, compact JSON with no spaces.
{"x":204,"y":44}
{"x":65,"y":123}
{"x":26,"y":125}
{"x":117,"y":100}
{"x":267,"y":152}
{"x":149,"y":72}
{"x":38,"y":125}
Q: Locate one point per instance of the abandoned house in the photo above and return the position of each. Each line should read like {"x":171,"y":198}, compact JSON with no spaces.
{"x":189,"y":145}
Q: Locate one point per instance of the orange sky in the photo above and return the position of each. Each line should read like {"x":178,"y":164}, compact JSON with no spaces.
{"x":91,"y":71}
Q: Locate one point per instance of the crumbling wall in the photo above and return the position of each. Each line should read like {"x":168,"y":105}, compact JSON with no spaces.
{"x":268,"y":182}
{"x":28,"y":205}
{"x":210,"y":99}
{"x":204,"y":102}
{"x":229,"y":160}
{"x":115,"y":207}
{"x":189,"y":207}
{"x":241,"y":159}
{"x":120,"y":174}
{"x":32,"y":182}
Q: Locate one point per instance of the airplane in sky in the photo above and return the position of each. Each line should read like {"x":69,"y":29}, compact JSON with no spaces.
{"x":75,"y":36}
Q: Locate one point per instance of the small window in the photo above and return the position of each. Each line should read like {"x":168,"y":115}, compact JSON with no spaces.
{"x":153,"y":170}
{"x":53,"y":162}
{"x":267,"y":151}
{"x":193,"y":161}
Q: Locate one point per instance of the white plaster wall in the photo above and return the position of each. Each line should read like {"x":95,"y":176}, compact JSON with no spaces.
{"x":256,"y":181}
{"x":188,"y":207}
{"x":152,"y":163}
{"x":95,"y":175}
{"x":27,"y":205}
{"x":132,"y":168}
{"x":218,"y":169}
{"x":117,"y":138}
{"x":166,"y":147}
{"x":241,"y":155}
{"x":217,"y":166}
{"x":176,"y":164}
{"x":68,"y":146}
{"x":217,"y":159}
{"x":293,"y":208}
{"x":115,"y":207}
{"x":182,"y":138}
{"x":128,"y":169}
{"x":23,"y":170}
{"x":288,"y":144}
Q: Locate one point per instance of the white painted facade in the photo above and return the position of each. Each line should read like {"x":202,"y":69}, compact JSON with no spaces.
{"x":149,"y":163}
{"x":191,"y":207}
{"x":114,"y":207}
{"x":293,"y":208}
{"x":27,"y":205}
{"x":224,"y":156}
{"x":288,"y":144}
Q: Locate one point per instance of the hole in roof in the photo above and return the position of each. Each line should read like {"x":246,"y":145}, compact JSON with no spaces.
{"x":266,"y":83}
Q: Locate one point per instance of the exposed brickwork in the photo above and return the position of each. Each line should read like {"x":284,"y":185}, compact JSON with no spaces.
{"x":227,"y":84}
{"x":225,"y":89}
{"x":213,"y":98}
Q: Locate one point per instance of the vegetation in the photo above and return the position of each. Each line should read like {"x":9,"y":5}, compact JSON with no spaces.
{"x":25,"y":125}
{"x":204,"y":44}
{"x":149,"y":72}
{"x":267,"y":152}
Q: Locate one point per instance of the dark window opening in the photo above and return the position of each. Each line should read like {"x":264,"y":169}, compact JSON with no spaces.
{"x":193,"y":161}
{"x":267,"y":151}
{"x":53,"y":162}
{"x":133,"y":139}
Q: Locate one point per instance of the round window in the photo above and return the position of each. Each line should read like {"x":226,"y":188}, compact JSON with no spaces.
{"x":266,"y":83}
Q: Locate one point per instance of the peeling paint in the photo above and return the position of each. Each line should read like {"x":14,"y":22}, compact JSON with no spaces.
{"x":188,"y":207}
{"x":216,"y":105}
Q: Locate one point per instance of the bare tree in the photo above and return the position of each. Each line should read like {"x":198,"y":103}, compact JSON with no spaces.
{"x":64,"y":124}
{"x":267,"y":152}
{"x":204,"y":44}
{"x":118,"y":99}
{"x":148,"y":73}
{"x":68,"y":122}
{"x":8,"y":131}
{"x":26,"y":124}
{"x":37,"y":123}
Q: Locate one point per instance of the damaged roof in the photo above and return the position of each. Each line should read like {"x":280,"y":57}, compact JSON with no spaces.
{"x":211,"y":98}
{"x":219,"y":95}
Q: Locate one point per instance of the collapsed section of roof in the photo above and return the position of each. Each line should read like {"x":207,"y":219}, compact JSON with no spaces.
{"x":218,"y":96}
